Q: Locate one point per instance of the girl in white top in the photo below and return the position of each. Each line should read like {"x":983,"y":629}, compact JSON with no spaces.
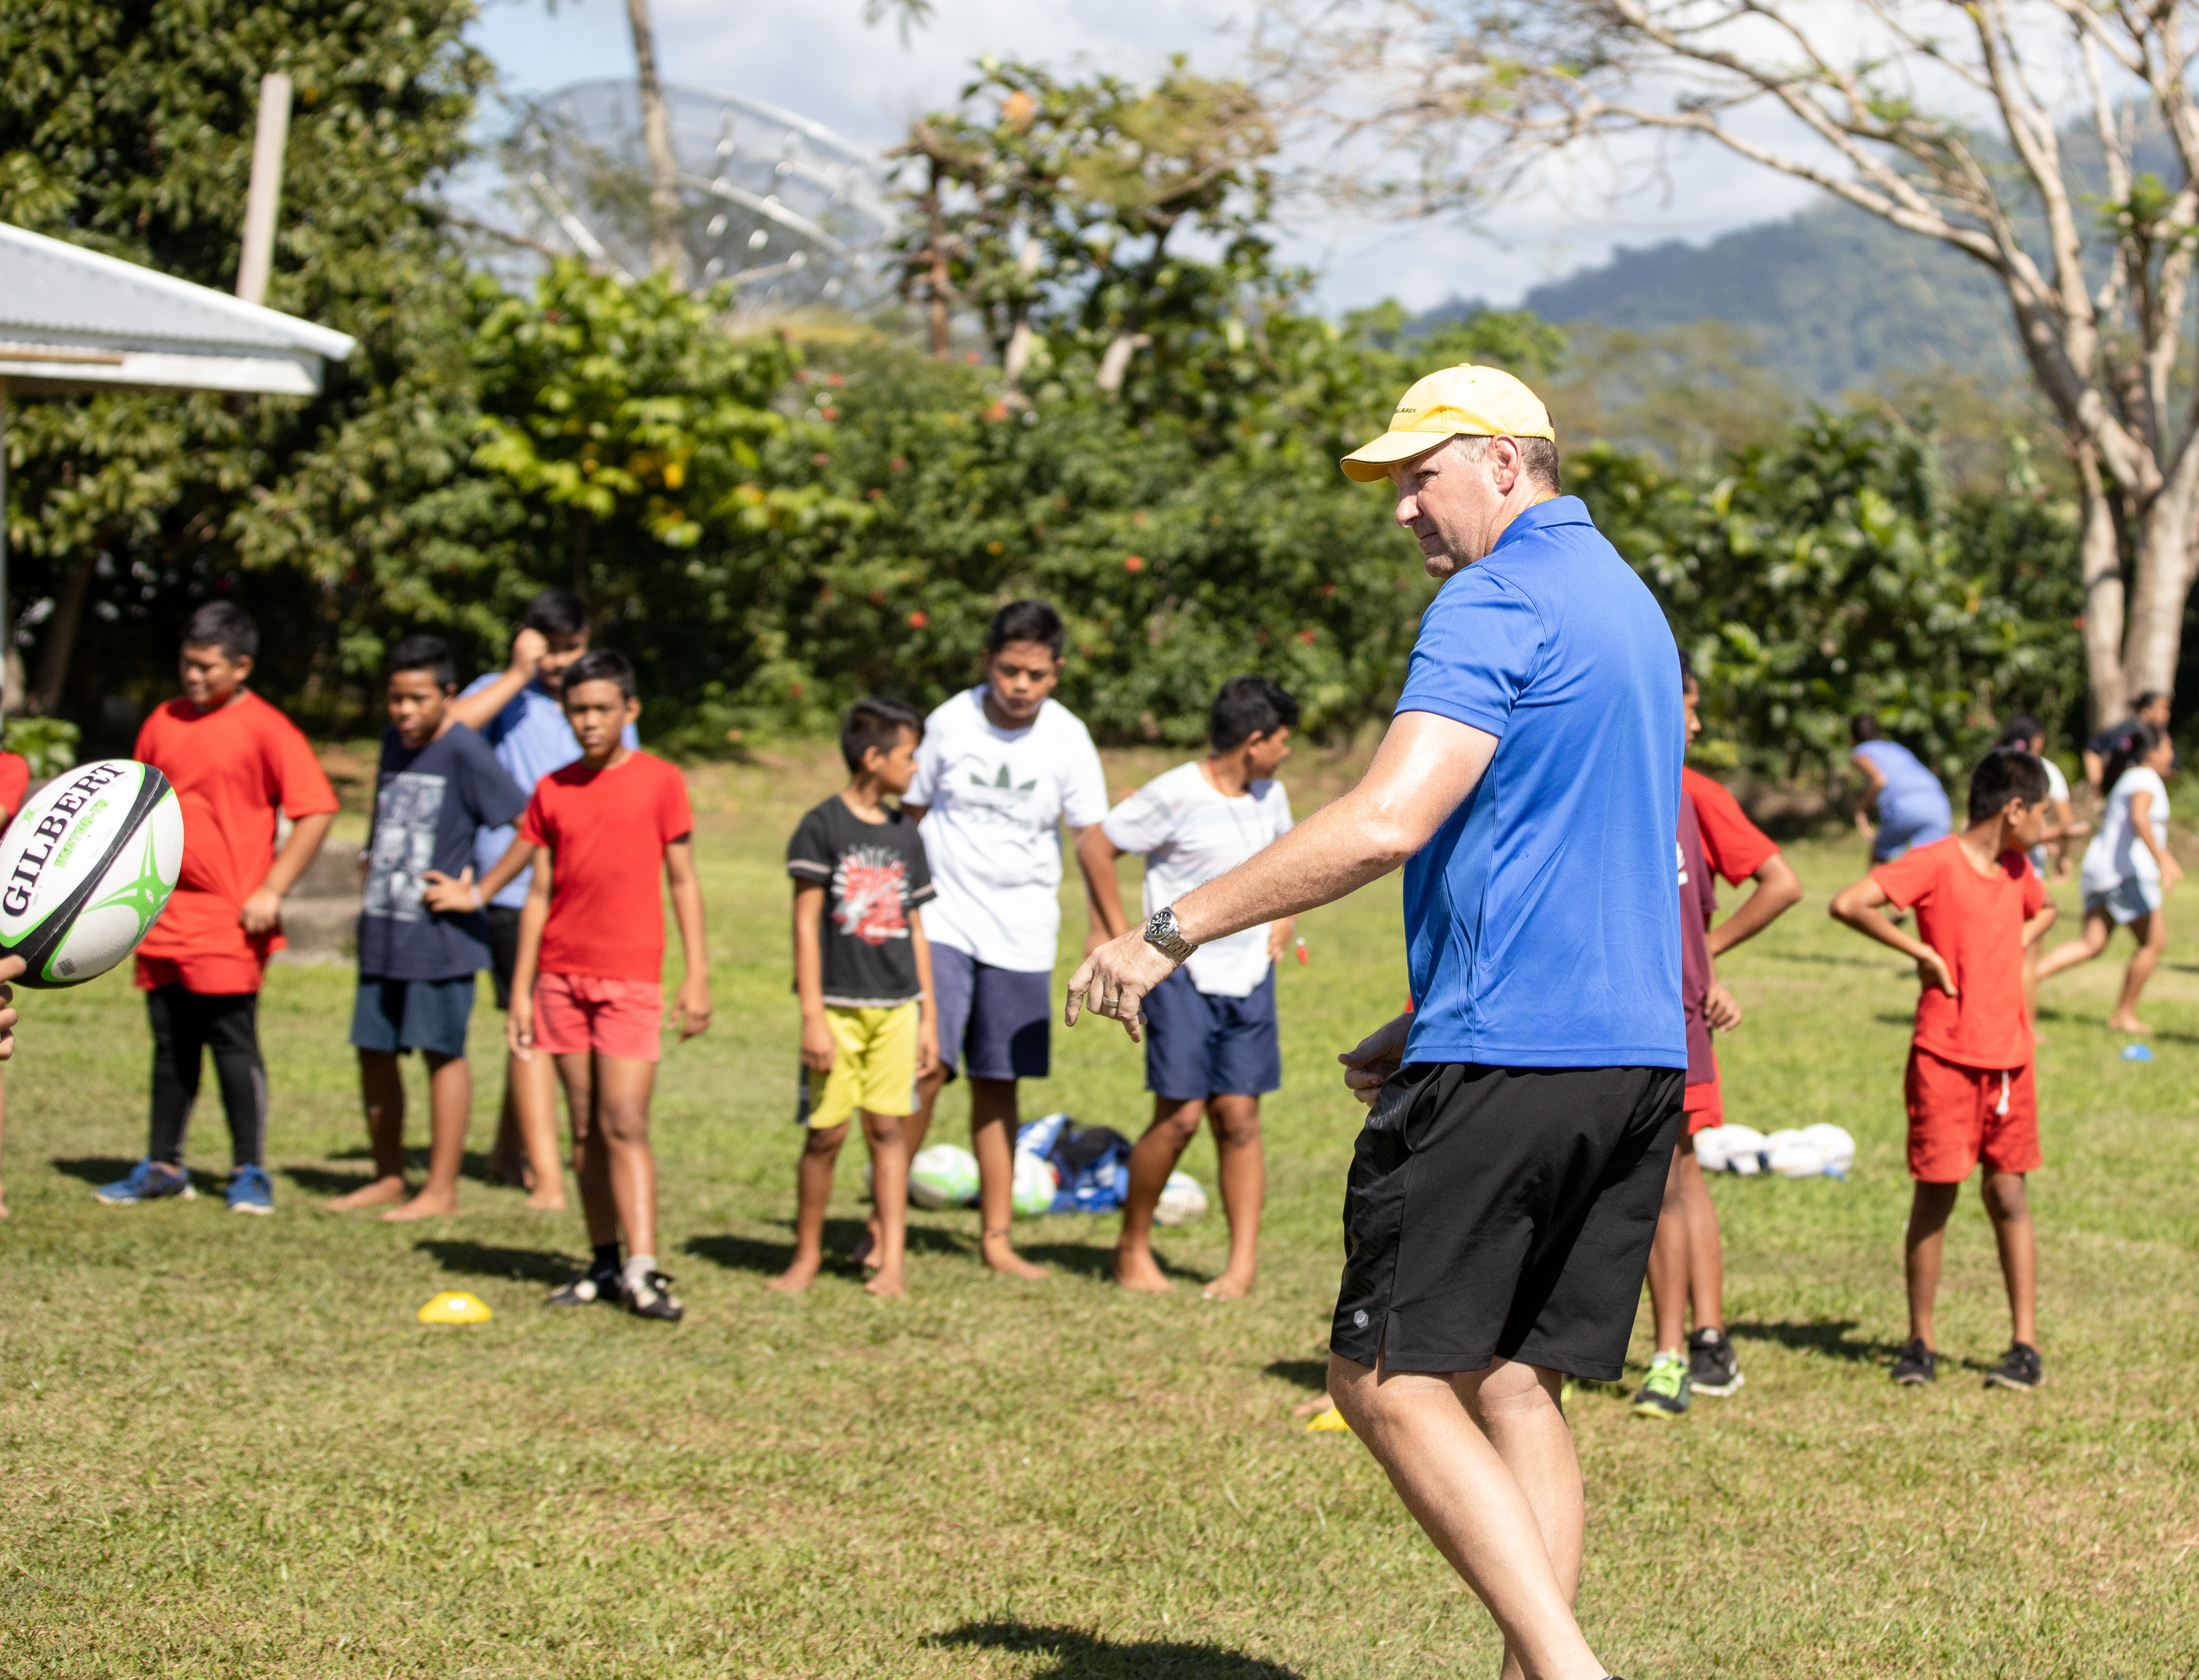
{"x":2128,"y":868}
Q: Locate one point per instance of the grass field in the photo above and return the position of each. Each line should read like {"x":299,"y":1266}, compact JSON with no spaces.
{"x":227,"y":1447}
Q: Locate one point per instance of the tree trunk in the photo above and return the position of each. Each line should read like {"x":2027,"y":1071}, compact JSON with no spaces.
{"x":59,"y":643}
{"x":2161,"y":585}
{"x":667,"y":249}
{"x":2100,"y":558}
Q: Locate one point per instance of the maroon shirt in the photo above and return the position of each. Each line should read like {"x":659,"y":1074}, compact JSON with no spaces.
{"x":1698,"y":900}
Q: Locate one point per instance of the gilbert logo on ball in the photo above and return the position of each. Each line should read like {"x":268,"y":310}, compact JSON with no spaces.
{"x":87,"y":868}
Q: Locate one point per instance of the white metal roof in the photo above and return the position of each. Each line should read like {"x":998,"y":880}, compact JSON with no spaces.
{"x":72,"y":319}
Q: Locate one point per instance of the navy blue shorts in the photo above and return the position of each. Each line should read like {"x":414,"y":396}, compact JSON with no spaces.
{"x":1198,"y":1046}
{"x":994,"y":1023}
{"x":400,"y":1015}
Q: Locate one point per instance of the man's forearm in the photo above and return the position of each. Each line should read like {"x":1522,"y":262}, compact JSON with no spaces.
{"x":1334,"y":852}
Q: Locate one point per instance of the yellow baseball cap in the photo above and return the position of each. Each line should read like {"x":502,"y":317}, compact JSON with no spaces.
{"x":1465,"y":400}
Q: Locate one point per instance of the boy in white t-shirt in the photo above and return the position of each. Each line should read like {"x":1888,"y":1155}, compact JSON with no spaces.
{"x":1002,"y":767}
{"x":1211,"y":1038}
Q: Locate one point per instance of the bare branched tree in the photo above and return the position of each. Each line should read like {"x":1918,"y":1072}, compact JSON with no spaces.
{"x":2006,"y":129}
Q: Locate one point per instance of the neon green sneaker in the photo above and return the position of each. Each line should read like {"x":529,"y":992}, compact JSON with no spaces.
{"x":1664,"y":1394}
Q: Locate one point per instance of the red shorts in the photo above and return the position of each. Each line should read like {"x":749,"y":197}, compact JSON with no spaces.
{"x":575,"y":1013}
{"x":1705,"y":1106}
{"x":1960,"y":1116}
{"x":226,"y":975}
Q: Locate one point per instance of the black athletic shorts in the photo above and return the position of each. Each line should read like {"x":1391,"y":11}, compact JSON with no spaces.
{"x":1504,"y":1213}
{"x":503,"y":948}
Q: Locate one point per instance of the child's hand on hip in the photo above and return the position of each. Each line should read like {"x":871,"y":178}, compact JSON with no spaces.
{"x":820,"y":1049}
{"x":1932,"y":969}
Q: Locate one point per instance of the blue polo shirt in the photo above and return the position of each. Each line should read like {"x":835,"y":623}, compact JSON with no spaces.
{"x":530,"y":738}
{"x":1543,"y":921}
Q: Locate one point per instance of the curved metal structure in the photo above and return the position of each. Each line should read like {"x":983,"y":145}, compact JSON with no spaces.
{"x":786,"y":209}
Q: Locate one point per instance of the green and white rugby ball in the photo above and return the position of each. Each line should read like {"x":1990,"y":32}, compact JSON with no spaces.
{"x":86,"y":867}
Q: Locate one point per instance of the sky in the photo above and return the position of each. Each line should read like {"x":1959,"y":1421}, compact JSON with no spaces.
{"x":817,"y":57}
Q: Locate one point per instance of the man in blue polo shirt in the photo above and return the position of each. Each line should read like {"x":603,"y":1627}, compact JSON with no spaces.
{"x":1505,"y":1190}
{"x":516,"y":712}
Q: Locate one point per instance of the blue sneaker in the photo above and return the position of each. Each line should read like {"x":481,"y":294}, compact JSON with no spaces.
{"x":148,"y":1181}
{"x":250,"y":1191}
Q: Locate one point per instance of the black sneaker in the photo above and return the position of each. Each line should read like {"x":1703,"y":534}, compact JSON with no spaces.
{"x":590,"y":1289}
{"x":2019,"y":1367}
{"x":1915,"y":1365}
{"x":1712,"y":1367}
{"x":652,"y":1297}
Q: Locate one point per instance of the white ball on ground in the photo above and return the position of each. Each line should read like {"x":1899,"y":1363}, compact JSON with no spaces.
{"x":1744,"y":1150}
{"x":1794,"y":1155}
{"x":1838,"y":1145}
{"x":1182,"y":1200}
{"x":1035,"y":1182}
{"x":1711,"y":1149}
{"x":943,"y":1174}
{"x":86,"y":867}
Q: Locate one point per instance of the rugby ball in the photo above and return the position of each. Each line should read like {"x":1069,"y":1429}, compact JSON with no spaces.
{"x":86,"y":867}
{"x":1795,"y":1156}
{"x":1710,"y":1149}
{"x":1744,"y":1150}
{"x":944,"y":1175}
{"x":1838,"y":1146}
{"x":1181,"y":1201}
{"x":1034,"y":1184}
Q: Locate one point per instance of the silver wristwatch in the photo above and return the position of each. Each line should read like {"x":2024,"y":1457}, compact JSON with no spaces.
{"x":1161,"y":932}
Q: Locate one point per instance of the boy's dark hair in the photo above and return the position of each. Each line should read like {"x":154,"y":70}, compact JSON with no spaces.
{"x":220,"y":624}
{"x":425,"y":653}
{"x":2145,"y":697}
{"x":599,"y":665}
{"x":1248,"y":706}
{"x":875,"y":722}
{"x":556,"y":612}
{"x":1863,"y":726}
{"x":2139,"y":740}
{"x":2021,"y":730}
{"x":1687,"y":668}
{"x":2003,"y":774}
{"x":1025,"y":621}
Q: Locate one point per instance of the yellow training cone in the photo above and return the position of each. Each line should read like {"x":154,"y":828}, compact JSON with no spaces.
{"x":455,"y":1306}
{"x":1330,"y":1419}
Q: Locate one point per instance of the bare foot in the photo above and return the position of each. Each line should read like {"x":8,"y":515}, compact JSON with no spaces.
{"x":885,"y":1282}
{"x":1229,"y":1287}
{"x":422,"y":1206}
{"x":548,"y":1201}
{"x":1136,"y":1269}
{"x":796,"y":1278}
{"x":1005,"y":1261}
{"x":375,"y":1192}
{"x":1306,"y":1408}
{"x":2127,"y":1023}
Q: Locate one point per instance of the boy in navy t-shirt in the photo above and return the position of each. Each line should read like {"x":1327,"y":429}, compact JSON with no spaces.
{"x":438,"y":784}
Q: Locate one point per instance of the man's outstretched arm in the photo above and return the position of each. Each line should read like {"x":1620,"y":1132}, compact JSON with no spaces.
{"x":1425,"y":769}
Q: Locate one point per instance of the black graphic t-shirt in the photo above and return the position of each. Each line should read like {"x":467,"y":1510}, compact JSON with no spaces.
{"x":873,"y":875}
{"x":428,"y":804}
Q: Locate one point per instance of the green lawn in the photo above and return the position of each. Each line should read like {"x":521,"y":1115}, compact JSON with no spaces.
{"x":227,"y":1447}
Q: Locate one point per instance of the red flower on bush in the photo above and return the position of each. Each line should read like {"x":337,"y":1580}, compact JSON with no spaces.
{"x":820,"y":459}
{"x":1306,"y":636}
{"x":917,"y":619}
{"x":1327,"y":590}
{"x":1133,"y":562}
{"x":829,"y":413}
{"x":874,"y":492}
{"x":897,"y":465}
{"x":999,"y":410}
{"x":794,"y":690}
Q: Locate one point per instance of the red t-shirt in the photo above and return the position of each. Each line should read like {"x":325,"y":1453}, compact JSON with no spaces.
{"x":232,"y":769}
{"x":607,"y":830}
{"x":1732,"y":845}
{"x":1975,"y":923}
{"x":14,"y":784}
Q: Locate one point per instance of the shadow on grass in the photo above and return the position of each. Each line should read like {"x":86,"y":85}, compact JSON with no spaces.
{"x":1079,"y":1655}
{"x":524,"y":1265}
{"x":1828,"y":1337}
{"x":94,"y":1169}
{"x":1311,"y":1375}
{"x":1822,"y":960}
{"x":320,"y":1182}
{"x":769,"y":1259}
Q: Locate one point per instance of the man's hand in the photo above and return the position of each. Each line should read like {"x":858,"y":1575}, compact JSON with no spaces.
{"x":10,"y":968}
{"x":448,"y":897}
{"x":1932,"y":969}
{"x":820,"y":1049}
{"x":527,"y":648}
{"x":694,"y":1006}
{"x":519,"y":1026}
{"x":1720,"y":1012}
{"x":262,"y":912}
{"x":1375,"y":1058}
{"x":927,"y":1050}
{"x":1113,"y":981}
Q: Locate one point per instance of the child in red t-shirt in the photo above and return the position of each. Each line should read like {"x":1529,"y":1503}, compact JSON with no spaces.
{"x":1687,"y":1261}
{"x":235,"y":762}
{"x":586,"y":987}
{"x":1979,"y":905}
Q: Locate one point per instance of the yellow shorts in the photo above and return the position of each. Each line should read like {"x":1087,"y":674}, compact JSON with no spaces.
{"x":875,"y":1069}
